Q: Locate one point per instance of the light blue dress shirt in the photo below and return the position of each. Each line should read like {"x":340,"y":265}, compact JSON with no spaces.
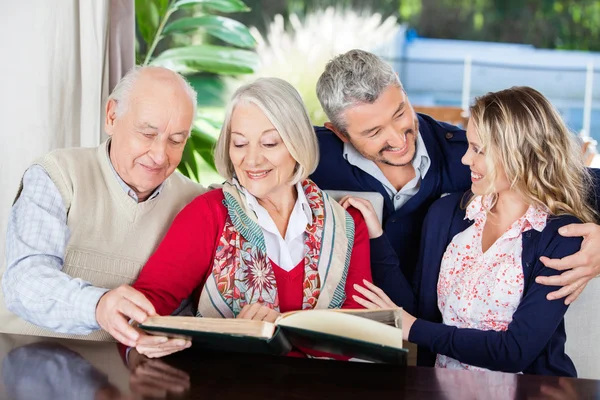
{"x":35,"y":288}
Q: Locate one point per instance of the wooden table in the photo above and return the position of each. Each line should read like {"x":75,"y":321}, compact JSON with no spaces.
{"x":40,"y":368}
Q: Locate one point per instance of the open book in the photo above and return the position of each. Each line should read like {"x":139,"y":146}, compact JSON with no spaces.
{"x":373,"y":335}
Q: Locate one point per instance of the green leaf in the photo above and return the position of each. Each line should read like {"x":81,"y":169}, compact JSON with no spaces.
{"x":210,"y":89}
{"x":188,"y":165}
{"x":162,"y":6}
{"x":209,"y":157}
{"x":147,"y":17}
{"x":224,"y":6}
{"x":226,"y":29}
{"x":204,"y":145}
{"x":208,"y":58}
{"x":202,"y":140}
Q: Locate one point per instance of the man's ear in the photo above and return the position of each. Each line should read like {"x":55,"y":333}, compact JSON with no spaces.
{"x":111,"y":116}
{"x":339,"y":134}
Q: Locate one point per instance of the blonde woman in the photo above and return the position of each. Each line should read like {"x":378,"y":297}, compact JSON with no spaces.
{"x":270,"y":240}
{"x":479,"y":305}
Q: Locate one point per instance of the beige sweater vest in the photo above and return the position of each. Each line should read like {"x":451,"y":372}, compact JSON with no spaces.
{"x":111,"y":236}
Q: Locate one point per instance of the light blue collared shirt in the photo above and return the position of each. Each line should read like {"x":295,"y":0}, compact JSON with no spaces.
{"x":34,"y":286}
{"x":421,"y":163}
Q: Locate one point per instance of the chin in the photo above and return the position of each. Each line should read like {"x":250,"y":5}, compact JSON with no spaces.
{"x":258,"y":191}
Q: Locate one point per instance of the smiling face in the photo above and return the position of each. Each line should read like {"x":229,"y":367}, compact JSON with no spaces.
{"x":262,"y":162}
{"x":386,"y":130}
{"x":475,"y":159}
{"x":148,"y":139}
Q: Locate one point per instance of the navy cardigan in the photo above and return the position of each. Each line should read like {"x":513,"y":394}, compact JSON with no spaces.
{"x":535,"y":340}
{"x":445,"y":144}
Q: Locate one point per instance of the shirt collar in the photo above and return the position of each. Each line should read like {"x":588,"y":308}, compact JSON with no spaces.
{"x":534,"y":217}
{"x":301,"y":207}
{"x":126,"y":188}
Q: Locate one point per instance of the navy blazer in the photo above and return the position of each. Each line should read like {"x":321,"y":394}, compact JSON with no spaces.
{"x":445,"y":144}
{"x":535,"y":340}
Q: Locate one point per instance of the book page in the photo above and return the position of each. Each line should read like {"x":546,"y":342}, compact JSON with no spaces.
{"x":229,"y":326}
{"x":388,"y":316}
{"x":344,"y":325}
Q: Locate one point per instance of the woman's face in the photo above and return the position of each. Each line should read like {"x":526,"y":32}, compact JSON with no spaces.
{"x":475,"y":159}
{"x":261,"y":161}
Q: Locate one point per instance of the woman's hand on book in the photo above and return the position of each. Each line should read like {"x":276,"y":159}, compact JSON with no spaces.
{"x":368,"y":212}
{"x":375,"y":298}
{"x":258,"y":312}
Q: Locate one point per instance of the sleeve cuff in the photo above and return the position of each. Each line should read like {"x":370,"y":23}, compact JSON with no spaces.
{"x":86,"y":303}
{"x":423,"y":332}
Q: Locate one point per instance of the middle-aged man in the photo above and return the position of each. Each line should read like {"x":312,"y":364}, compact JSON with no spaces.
{"x":85,"y":220}
{"x":376,"y":142}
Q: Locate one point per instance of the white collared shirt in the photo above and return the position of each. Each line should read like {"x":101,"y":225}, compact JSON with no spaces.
{"x":288,"y":252}
{"x":421,"y":163}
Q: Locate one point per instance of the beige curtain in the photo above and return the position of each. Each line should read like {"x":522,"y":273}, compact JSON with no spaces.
{"x":55,"y":75}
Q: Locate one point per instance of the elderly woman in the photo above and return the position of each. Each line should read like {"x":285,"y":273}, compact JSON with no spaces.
{"x":270,"y":240}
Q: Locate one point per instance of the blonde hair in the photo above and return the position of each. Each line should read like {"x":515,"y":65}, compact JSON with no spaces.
{"x":521,"y":131}
{"x":283,"y":106}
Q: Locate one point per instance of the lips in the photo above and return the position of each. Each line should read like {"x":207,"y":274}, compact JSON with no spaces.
{"x":258,"y":174}
{"x":396,"y":150}
{"x":475,"y":176}
{"x":152,"y":170}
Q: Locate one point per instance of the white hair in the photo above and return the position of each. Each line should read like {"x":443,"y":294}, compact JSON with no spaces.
{"x":122,"y":90}
{"x":355,"y":77}
{"x":283,"y":106}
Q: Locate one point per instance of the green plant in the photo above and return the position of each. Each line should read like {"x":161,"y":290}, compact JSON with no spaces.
{"x":185,"y":36}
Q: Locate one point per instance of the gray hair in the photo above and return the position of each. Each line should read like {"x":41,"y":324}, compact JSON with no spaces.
{"x":355,"y":77}
{"x":122,"y":90}
{"x":283,"y":106}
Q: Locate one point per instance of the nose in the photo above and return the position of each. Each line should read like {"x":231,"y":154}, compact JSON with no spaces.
{"x":466,"y":159}
{"x":396,"y":137}
{"x":158,"y":151}
{"x":254,"y":156}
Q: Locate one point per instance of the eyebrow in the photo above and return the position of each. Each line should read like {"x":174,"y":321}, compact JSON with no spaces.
{"x":263,"y":132}
{"x":148,"y":125}
{"x":368,"y":131}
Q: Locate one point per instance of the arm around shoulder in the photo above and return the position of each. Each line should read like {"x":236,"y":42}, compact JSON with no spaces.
{"x":534,"y":325}
{"x":360,"y":265}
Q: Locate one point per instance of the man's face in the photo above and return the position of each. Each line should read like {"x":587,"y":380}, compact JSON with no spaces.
{"x":385,"y":131}
{"x":148,"y":139}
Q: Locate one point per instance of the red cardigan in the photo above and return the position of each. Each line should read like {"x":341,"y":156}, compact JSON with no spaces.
{"x":184,"y":259}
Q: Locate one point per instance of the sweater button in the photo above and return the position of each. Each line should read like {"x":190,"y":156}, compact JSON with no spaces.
{"x":449,"y":135}
{"x":528,"y":234}
{"x":527,"y":265}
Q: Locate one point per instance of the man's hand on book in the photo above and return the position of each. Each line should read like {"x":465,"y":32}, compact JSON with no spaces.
{"x":151,"y":349}
{"x":116,"y":307}
{"x":258,"y":312}
{"x":376,"y":298}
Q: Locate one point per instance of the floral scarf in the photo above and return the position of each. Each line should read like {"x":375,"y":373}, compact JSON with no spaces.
{"x":242,"y":273}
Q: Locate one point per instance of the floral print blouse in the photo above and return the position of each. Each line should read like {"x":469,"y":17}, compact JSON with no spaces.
{"x":482,"y":290}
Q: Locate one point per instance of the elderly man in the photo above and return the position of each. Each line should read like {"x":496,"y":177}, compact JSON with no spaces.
{"x":85,"y":220}
{"x":376,"y":142}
